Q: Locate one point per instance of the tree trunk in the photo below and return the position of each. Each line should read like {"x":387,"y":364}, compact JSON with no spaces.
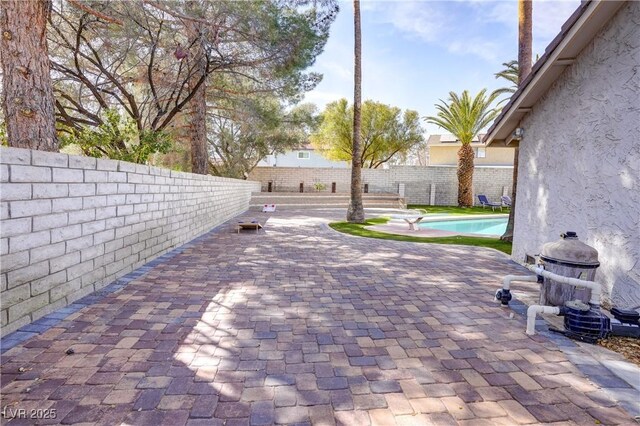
{"x":508,"y":233}
{"x":198,"y":104}
{"x":355,"y":214}
{"x":525,"y":37}
{"x":27,"y":100}
{"x":465,"y":176}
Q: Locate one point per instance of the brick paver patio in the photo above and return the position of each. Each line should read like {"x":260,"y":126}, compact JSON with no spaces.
{"x":298,"y":325}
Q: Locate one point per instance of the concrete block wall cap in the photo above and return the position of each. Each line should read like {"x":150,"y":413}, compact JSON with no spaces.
{"x":107,"y":164}
{"x":80,"y":162}
{"x":9,"y":155}
{"x":42,"y":158}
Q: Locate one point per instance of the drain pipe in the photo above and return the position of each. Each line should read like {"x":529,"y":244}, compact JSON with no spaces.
{"x":504,"y":294}
{"x":538,"y":309}
{"x":596,"y":288}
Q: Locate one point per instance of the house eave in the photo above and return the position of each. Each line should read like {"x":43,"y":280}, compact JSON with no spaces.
{"x":562,"y":52}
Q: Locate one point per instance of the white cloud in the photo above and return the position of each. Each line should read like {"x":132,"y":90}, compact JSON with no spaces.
{"x":433,"y":22}
{"x":548,"y":18}
{"x":337,"y":69}
{"x":502,"y":12}
{"x":487,"y":50}
{"x":321,"y":98}
{"x":426,"y":21}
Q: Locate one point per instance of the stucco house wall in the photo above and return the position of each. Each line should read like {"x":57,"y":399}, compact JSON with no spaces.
{"x":448,"y":156}
{"x":579,"y":164}
{"x":442,"y":150}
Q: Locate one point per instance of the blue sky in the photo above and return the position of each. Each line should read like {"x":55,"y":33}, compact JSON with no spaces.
{"x":415,"y":52}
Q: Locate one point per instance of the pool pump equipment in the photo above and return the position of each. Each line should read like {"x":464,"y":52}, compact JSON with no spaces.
{"x":565,"y":270}
{"x":584,"y":322}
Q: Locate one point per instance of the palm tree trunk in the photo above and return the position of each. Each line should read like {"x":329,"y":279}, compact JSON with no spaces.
{"x":465,"y":176}
{"x":525,"y":37}
{"x":508,"y":233}
{"x":355,"y":213}
{"x":28,"y":101}
{"x":198,"y":104}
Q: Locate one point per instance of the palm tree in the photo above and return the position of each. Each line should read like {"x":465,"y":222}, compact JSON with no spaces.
{"x":355,"y":213}
{"x":525,"y":37}
{"x":465,"y":117}
{"x":509,"y":73}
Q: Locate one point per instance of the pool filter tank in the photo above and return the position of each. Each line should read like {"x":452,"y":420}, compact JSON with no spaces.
{"x":572,"y":258}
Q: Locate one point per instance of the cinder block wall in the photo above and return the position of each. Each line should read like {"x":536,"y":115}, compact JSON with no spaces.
{"x":71,"y":224}
{"x":491,"y":181}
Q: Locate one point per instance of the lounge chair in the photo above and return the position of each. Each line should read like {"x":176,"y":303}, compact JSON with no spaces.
{"x":506,"y":200}
{"x":484,"y":201}
{"x":254,"y":224}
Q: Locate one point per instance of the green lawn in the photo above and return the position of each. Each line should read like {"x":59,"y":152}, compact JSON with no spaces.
{"x":360,"y":231}
{"x":455,"y":210}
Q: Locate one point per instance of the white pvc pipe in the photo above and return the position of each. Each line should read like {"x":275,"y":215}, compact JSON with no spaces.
{"x":506,"y":281}
{"x":537,"y":309}
{"x":596,"y":288}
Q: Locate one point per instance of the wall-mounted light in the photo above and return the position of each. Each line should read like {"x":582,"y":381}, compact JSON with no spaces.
{"x":516,"y":136}
{"x":518,"y":133}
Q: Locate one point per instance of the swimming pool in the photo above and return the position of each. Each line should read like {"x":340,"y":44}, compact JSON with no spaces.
{"x":470,"y":226}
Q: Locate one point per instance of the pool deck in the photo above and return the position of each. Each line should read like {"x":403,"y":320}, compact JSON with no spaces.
{"x":299,"y":324}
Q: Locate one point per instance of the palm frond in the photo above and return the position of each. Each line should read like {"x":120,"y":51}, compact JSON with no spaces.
{"x":464,"y":116}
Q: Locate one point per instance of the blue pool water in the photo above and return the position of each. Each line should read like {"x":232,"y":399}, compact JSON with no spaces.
{"x":470,"y":226}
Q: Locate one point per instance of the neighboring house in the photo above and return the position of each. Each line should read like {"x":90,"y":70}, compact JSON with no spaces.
{"x":577,"y":118}
{"x":443,"y":151}
{"x":305,"y":156}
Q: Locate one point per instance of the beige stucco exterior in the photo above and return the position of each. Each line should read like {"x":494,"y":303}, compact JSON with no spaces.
{"x":443,"y":151}
{"x":448,"y":156}
{"x":579,"y":165}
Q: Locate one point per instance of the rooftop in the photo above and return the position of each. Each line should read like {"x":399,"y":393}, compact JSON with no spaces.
{"x":575,"y":34}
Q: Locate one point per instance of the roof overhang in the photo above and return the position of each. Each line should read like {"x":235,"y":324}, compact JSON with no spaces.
{"x":576,"y":33}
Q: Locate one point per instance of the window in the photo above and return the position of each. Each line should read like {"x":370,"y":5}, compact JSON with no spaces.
{"x":303,"y":155}
{"x":480,"y":152}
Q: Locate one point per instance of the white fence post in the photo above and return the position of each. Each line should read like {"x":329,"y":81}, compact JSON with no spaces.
{"x":432,"y":195}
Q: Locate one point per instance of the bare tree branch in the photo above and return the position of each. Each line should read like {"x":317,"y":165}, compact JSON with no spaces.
{"x":94,"y":12}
